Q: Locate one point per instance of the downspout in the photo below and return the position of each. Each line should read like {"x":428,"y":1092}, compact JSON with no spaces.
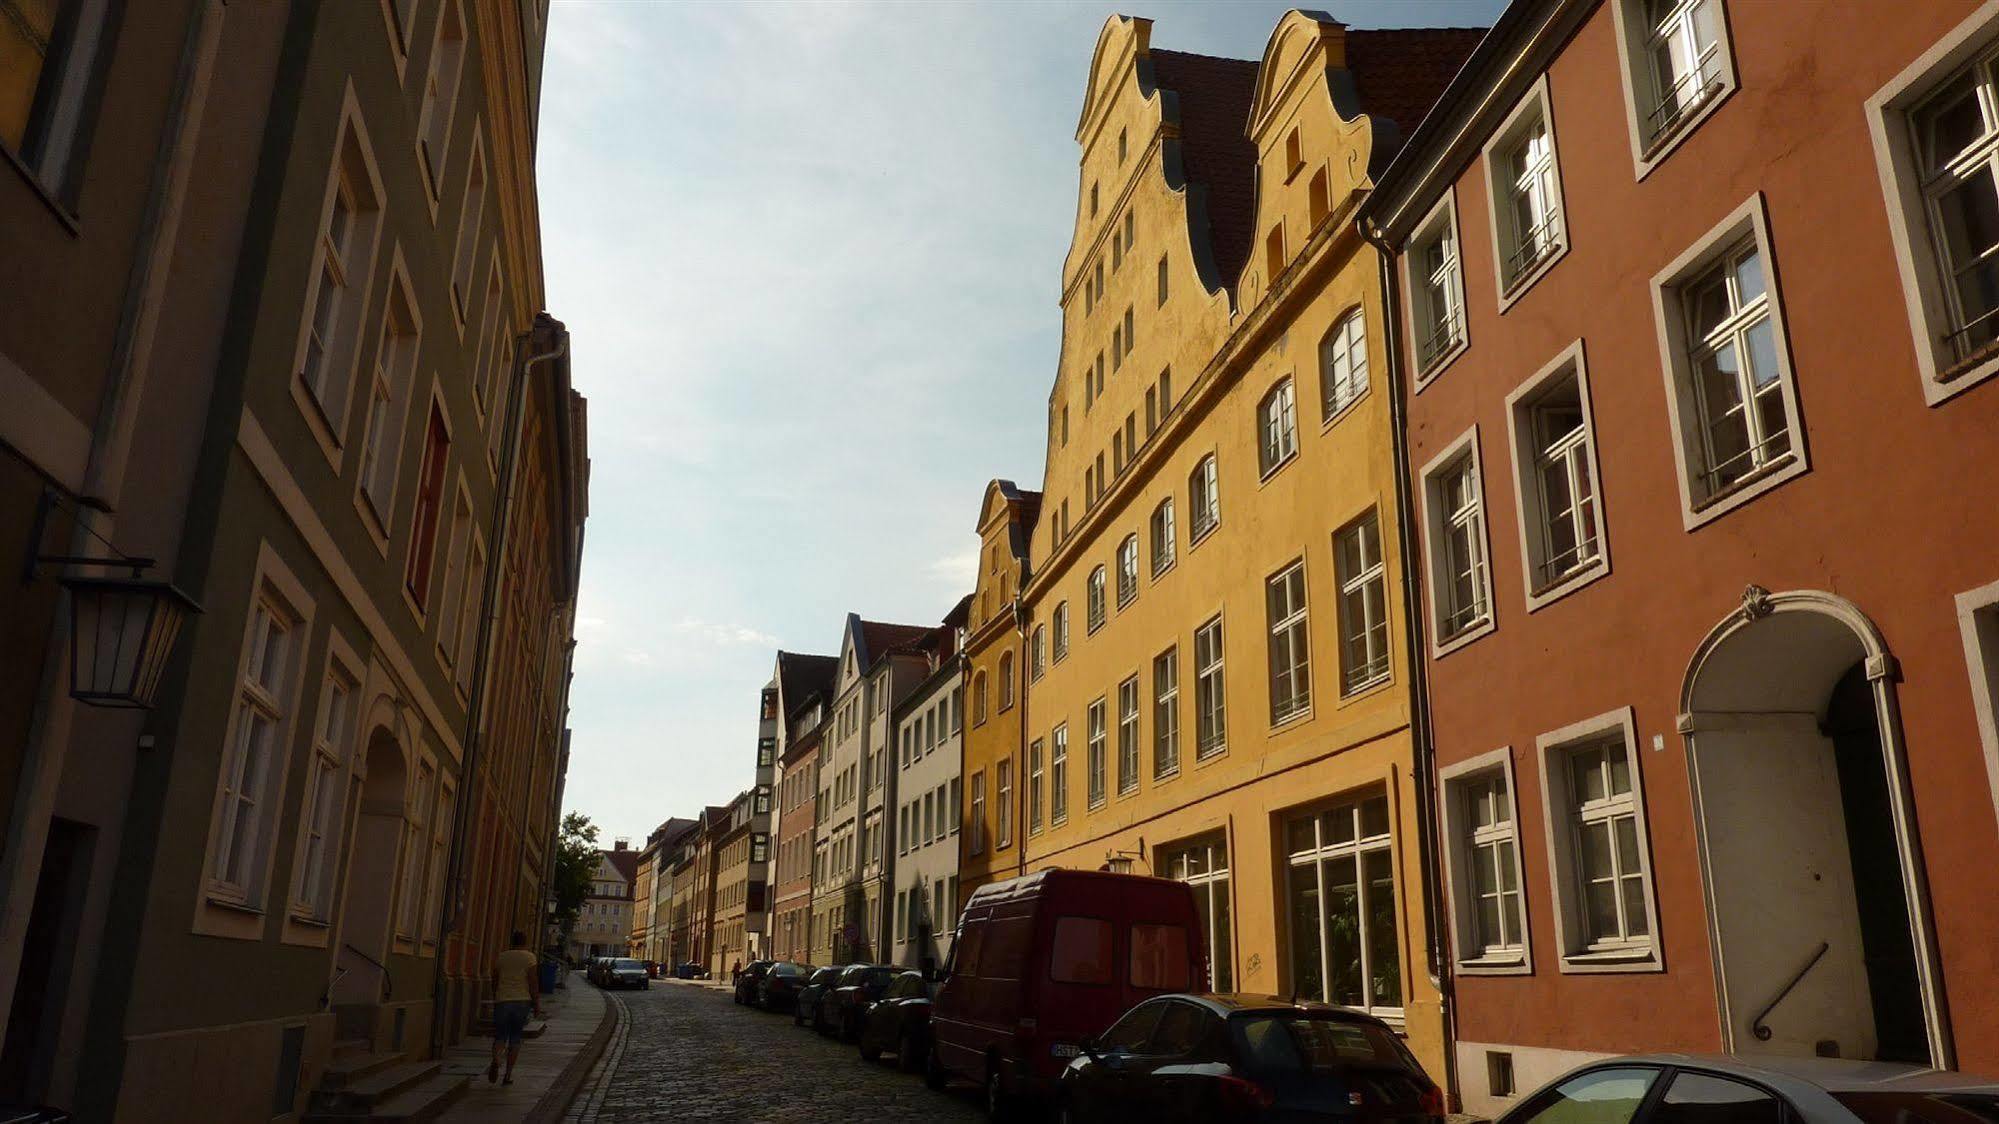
{"x":1435,"y":932}
{"x":468,"y":774}
{"x":1025,"y":672}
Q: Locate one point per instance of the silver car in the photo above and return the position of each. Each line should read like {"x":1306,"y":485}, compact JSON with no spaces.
{"x":621,"y":972}
{"x":1734,"y":1089}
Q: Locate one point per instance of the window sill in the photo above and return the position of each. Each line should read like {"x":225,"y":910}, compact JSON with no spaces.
{"x":1650,"y":154}
{"x":1464,"y":636}
{"x":302,"y":917}
{"x":1511,"y":291}
{"x":1291,"y":719}
{"x":1205,"y":756}
{"x":63,"y":214}
{"x":1368,"y":689}
{"x":1170,"y":774}
{"x":233,"y":905}
{"x":1568,"y":583}
{"x":1268,"y":473}
{"x":1336,"y":416}
{"x":1161,"y":571}
{"x":1614,"y":960}
{"x":1427,"y":373}
{"x":1505,"y":964}
{"x":1126,"y":603}
{"x":1203,"y":535}
{"x":1746,"y":489}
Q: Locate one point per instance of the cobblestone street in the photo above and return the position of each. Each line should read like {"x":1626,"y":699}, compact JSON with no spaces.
{"x":685,"y":1052}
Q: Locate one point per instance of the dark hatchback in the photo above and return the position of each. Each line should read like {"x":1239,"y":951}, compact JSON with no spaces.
{"x":806,"y":1007}
{"x":1247,"y":1058}
{"x":748,"y":979}
{"x":846,"y":1003}
{"x":899,"y":1022}
{"x":780,"y":986}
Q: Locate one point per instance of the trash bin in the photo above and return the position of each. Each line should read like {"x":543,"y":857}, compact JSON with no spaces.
{"x":548,"y":973}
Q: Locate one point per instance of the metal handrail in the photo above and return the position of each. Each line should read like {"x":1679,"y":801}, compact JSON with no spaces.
{"x":1756,"y":1026}
{"x":388,"y":988}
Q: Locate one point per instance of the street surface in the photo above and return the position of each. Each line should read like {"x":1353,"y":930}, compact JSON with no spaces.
{"x":685,"y":1052}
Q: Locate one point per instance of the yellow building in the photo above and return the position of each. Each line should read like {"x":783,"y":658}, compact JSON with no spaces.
{"x":1217,"y":651}
{"x":989,"y":845}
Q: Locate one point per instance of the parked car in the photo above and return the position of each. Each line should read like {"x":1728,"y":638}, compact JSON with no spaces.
{"x":780,"y":985}
{"x":1247,"y":1058}
{"x":1729,"y":1089}
{"x":1047,"y":961}
{"x":806,"y":1008}
{"x":846,"y":1004}
{"x":625,"y":972}
{"x":594,"y":972}
{"x":689,"y":970}
{"x":748,"y":979}
{"x":899,"y":1021}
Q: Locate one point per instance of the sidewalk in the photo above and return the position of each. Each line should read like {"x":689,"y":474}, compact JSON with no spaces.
{"x":552,"y":1065}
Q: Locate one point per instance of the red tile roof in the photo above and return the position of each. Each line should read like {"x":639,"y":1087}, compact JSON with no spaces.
{"x":881,"y":638}
{"x":1215,"y":95}
{"x":626,"y":862}
{"x":1399,"y":73}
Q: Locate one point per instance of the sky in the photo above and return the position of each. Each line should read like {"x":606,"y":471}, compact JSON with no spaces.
{"x":809,"y":256}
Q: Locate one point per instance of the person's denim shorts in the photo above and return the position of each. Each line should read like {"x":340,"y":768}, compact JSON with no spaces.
{"x":510,"y":1020}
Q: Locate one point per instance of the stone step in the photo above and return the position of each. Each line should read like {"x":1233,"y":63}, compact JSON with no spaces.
{"x":365,"y":1096}
{"x":423,"y":1102}
{"x":351,"y":1048}
{"x":344,"y":1071}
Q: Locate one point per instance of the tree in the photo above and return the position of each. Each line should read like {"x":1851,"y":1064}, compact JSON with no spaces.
{"x":575,"y":870}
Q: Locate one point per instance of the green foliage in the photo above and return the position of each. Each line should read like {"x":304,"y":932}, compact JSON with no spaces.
{"x":575,"y":866}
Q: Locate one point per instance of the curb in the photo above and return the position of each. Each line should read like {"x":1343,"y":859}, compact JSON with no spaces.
{"x":554,"y":1103}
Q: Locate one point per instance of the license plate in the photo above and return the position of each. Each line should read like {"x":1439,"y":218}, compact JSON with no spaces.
{"x":1065,"y":1050}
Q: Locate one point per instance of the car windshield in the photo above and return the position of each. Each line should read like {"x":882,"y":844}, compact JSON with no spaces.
{"x":786,"y":970}
{"x":1921,"y":1108}
{"x":633,"y":965}
{"x":1287,"y":1042}
{"x":880,"y":977}
{"x":825,"y":975}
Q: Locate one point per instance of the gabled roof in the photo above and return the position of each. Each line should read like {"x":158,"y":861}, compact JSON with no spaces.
{"x":879,"y":639}
{"x":626,"y":862}
{"x":1400,"y":73}
{"x":1213,"y":97}
{"x":800,"y":676}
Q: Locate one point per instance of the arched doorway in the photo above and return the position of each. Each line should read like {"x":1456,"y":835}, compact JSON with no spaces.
{"x":361,"y":961}
{"x":1812,"y":867}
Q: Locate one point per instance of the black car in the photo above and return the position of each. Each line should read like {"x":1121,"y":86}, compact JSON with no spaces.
{"x":846,"y":1002}
{"x":816,"y":986}
{"x":780,"y":985}
{"x":748,"y":978}
{"x":1247,"y":1058}
{"x":899,"y":1021}
{"x":689,"y":970}
{"x":622,"y":971}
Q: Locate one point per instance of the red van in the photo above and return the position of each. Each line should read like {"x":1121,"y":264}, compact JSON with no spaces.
{"x":1045,"y":961}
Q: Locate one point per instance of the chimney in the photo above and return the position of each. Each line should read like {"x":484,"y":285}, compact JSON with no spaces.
{"x":621,"y":845}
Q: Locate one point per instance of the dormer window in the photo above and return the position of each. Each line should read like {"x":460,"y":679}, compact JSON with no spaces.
{"x":1294,"y":155}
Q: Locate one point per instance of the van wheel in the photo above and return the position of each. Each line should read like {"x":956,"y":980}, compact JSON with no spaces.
{"x":934,"y":1074}
{"x":999,"y":1106}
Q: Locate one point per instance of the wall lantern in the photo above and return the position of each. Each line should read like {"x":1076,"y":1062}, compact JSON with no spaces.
{"x":121,"y":629}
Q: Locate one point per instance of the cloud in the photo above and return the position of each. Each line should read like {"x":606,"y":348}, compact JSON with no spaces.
{"x":724,"y":635}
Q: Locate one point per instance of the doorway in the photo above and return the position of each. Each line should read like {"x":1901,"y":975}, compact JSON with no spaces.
{"x":1808,"y":844}
{"x":48,"y":960}
{"x":361,"y":963}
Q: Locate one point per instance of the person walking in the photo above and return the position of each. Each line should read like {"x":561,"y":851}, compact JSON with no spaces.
{"x":516,"y":994}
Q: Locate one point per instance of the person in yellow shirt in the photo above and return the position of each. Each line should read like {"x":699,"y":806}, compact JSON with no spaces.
{"x":516,"y":993}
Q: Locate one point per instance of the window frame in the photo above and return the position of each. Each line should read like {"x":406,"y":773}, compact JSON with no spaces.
{"x":1551,"y":752}
{"x":1314,"y":859}
{"x":1634,"y":34}
{"x":1163,"y":532}
{"x":1747,"y":222}
{"x":1096,"y":752}
{"x":1204,"y":492}
{"x":1375,"y":575}
{"x":1059,"y":619}
{"x":1036,"y":784}
{"x":1166,"y":714}
{"x":1436,"y":525}
{"x":1482,"y":960}
{"x":1277,"y":427}
{"x":431,"y":167}
{"x":1441,"y":221}
{"x":1127,"y":571}
{"x":1332,"y":405}
{"x":1296,"y":629}
{"x":1527,"y":514}
{"x":1534,"y":108}
{"x":1204,"y":749}
{"x":1094,"y":600}
{"x":312,"y":905}
{"x":1130,"y":735}
{"x":1058,"y":775}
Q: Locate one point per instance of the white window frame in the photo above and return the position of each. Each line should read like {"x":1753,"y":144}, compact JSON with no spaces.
{"x":471,"y":216}
{"x":1748,"y":223}
{"x":1058,"y":775}
{"x":1431,"y":347}
{"x":1978,"y":620}
{"x":1551,"y":752}
{"x":1204,"y":500}
{"x":1516,"y":266}
{"x":977,"y":844}
{"x":378,"y":470}
{"x":1166,"y":714}
{"x":1437,"y":524}
{"x":1212,"y":884}
{"x":1652,"y":144}
{"x":1929,"y":303}
{"x":323,"y":799}
{"x":437,"y":101}
{"x":1211,"y":686}
{"x":1295,"y":629}
{"x":1060,"y":619}
{"x":1277,"y":427}
{"x":1527,"y":514}
{"x":1130,"y":751}
{"x":1163,"y":534}
{"x":1343,"y":366}
{"x":1036,"y":785}
{"x":1094,"y":587}
{"x":1358,"y":848}
{"x":1003,"y":803}
{"x":1096,"y":752}
{"x":1471,"y":955}
{"x":1037,"y":653}
{"x":1127,"y":571}
{"x":1379,"y":667}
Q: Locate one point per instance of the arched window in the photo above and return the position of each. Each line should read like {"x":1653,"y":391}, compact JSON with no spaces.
{"x":1006,"y":680}
{"x":1277,"y":427}
{"x":1204,"y":499}
{"x":1162,"y":536}
{"x":978,"y":697}
{"x":1096,"y":599}
{"x":1127,"y":570}
{"x":1343,"y":363}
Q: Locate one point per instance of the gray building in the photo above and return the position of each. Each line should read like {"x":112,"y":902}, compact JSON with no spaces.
{"x":928,"y":760}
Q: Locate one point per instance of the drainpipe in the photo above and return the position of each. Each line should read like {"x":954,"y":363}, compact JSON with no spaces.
{"x":1435,"y":932}
{"x":1020,"y":752}
{"x":50,"y":725}
{"x":489,"y":596}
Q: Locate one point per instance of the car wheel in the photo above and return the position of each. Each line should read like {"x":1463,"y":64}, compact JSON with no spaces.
{"x":998,"y":1105}
{"x":934,"y":1073}
{"x":798,"y":1016}
{"x":869,"y":1053}
{"x":908,"y":1054}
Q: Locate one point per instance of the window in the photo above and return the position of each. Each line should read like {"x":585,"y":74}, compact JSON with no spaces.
{"x":416,"y":824}
{"x":1081,"y":951}
{"x":1210,"y":712}
{"x":429,"y":495}
{"x":1731,"y":395}
{"x":440,"y":839}
{"x":395,"y":365}
{"x":1093,"y":200}
{"x":1344,"y":947}
{"x":1363,"y":605}
{"x":255,"y":754}
{"x":978,"y":698}
{"x":1127,"y":570}
{"x":1205,"y":867}
{"x":1700,"y":1098}
{"x":1525,"y":185}
{"x":1676,"y":67}
{"x":48,"y":104}
{"x":1096,"y":599}
{"x":1162,"y":281}
{"x":1098,"y":743}
{"x":1318,"y":199}
{"x":1204,"y":499}
{"x":312,"y":890}
{"x":957,"y":710}
{"x":1343,"y":364}
{"x":1555,"y":467}
{"x":1061,"y":620}
{"x":1479,"y":817}
{"x":440,"y":95}
{"x":1277,"y":422}
{"x":1058,"y":775}
{"x":1294,"y":155}
{"x":1130,"y":335}
{"x":1004,"y":837}
{"x":1034,"y":787}
{"x":1607,"y":870}
{"x":1117,"y":348}
{"x":456,"y":592}
{"x":1166,"y":714}
{"x":1158,"y":961}
{"x":468,"y":232}
{"x":1600,"y":1096}
{"x":1162,"y":537}
{"x":933,"y":828}
{"x":1127,"y":736}
{"x":342,"y":261}
{"x":1454,"y":506}
{"x":978,"y":840}
{"x":1006,"y":681}
{"x":1290,"y":647}
{"x":1037,"y":653}
{"x":1130,"y":239}
{"x":956,"y":806}
{"x":1121,"y":150}
{"x":1436,"y":290}
{"x":1273,"y":252}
